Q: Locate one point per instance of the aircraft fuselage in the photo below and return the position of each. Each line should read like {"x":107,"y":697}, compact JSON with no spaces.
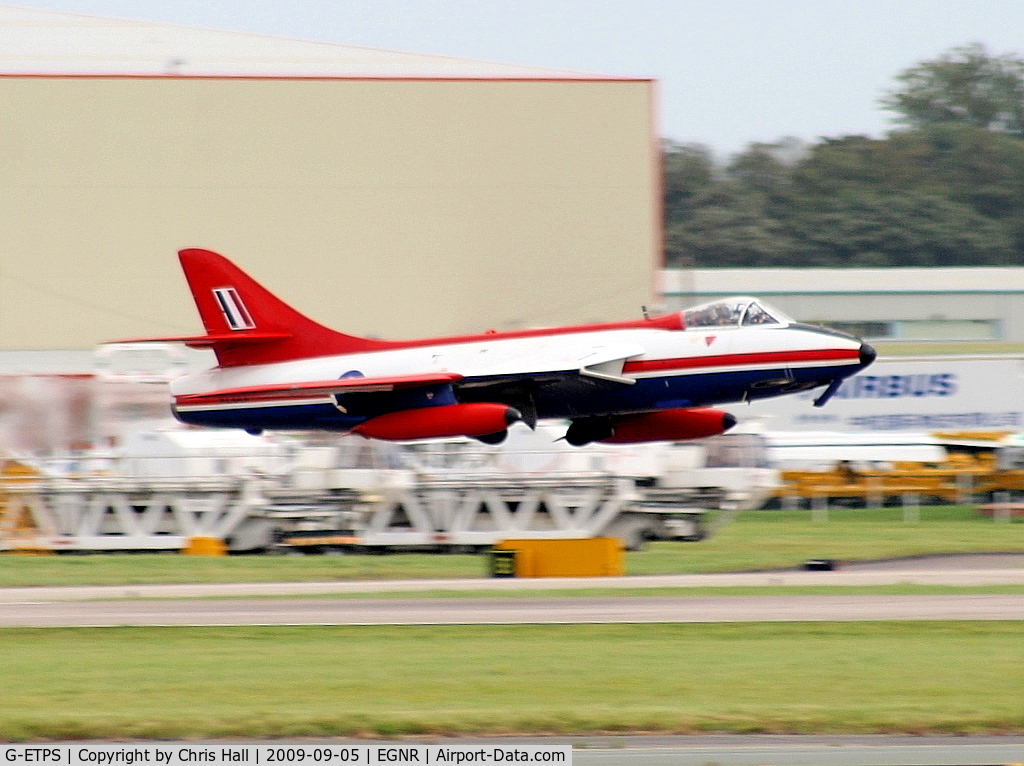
{"x":671,"y":369}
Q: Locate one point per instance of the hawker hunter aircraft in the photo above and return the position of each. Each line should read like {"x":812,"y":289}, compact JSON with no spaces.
{"x":645,"y":380}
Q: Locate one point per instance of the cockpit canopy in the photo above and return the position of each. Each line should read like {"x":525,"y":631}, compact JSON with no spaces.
{"x":733,"y":312}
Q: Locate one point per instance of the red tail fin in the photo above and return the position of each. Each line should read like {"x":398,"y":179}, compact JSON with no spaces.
{"x":247,"y":324}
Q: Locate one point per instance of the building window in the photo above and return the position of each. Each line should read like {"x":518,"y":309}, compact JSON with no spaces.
{"x":922,"y":329}
{"x":872,"y":330}
{"x":946,"y":329}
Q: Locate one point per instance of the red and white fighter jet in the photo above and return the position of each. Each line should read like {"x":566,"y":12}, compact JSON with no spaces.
{"x":644,"y":380}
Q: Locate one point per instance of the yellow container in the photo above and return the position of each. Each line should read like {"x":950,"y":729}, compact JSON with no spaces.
{"x":205,"y":546}
{"x":577,"y":557}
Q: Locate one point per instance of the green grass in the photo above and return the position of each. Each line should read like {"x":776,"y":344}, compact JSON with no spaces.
{"x":780,"y":539}
{"x":143,"y":568}
{"x":361,"y":681}
{"x":755,"y":540}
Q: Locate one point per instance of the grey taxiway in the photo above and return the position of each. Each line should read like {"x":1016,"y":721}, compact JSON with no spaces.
{"x":311,"y":603}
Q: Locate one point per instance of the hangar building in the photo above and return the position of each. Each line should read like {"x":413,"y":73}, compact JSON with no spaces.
{"x":382,"y":193}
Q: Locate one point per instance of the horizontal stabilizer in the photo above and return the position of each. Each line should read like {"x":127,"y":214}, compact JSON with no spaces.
{"x":212,"y":340}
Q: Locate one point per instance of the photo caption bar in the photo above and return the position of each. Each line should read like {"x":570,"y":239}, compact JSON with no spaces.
{"x":131,"y":754}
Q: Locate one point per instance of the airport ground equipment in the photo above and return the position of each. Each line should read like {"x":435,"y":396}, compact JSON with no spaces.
{"x":19,"y":530}
{"x":960,"y":477}
{"x":162,"y":489}
{"x":476,"y":512}
{"x":586,"y":557}
{"x":117,"y":513}
{"x":370,"y":509}
{"x":460,"y":494}
{"x":114,"y":513}
{"x":471,"y":512}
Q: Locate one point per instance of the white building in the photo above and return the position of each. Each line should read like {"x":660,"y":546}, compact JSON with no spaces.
{"x":916,"y":304}
{"x":380,"y":192}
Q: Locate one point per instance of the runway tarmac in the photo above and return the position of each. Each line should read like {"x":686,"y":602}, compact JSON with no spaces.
{"x":491,"y":611}
{"x":283,"y":603}
{"x":803,"y":750}
{"x":718,"y":749}
{"x":959,"y":570}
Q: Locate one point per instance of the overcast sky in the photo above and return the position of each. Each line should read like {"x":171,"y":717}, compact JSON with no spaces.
{"x":730,"y":71}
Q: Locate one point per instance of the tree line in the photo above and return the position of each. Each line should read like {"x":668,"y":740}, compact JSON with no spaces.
{"x":945,"y":188}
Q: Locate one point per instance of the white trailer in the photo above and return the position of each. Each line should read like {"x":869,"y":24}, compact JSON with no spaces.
{"x":165,"y":486}
{"x":463,"y":494}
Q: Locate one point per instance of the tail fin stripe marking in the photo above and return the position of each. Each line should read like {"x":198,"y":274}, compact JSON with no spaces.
{"x":234,"y":310}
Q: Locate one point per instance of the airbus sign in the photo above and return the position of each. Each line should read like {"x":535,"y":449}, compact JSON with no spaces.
{"x":940,"y":393}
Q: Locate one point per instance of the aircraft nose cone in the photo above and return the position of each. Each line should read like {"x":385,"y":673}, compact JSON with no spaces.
{"x":867,"y":354}
{"x":728,"y":421}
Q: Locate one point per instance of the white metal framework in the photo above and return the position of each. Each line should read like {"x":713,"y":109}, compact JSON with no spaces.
{"x":99,"y":513}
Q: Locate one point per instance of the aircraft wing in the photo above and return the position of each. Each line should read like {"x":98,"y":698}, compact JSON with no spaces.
{"x":320,"y":388}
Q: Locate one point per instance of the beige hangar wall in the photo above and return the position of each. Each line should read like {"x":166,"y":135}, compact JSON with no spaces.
{"x":397,"y":208}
